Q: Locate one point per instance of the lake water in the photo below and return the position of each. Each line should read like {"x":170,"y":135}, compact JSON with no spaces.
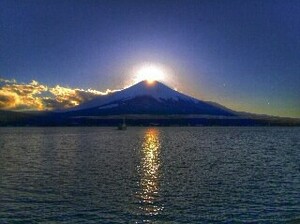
{"x":150,"y":175}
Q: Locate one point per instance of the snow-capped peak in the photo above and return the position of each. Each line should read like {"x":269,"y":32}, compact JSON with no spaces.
{"x":156,"y":90}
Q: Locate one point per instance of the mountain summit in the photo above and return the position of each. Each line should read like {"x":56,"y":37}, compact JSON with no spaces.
{"x":152,"y":99}
{"x":142,"y":104}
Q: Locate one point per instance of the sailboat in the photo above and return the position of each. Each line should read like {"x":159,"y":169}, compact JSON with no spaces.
{"x":123,"y":125}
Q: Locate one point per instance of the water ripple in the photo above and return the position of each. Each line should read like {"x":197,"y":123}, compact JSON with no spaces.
{"x":150,"y":175}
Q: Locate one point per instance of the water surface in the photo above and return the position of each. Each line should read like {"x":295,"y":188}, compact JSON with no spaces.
{"x":150,"y":175}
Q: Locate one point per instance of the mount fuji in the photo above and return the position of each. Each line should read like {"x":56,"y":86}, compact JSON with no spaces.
{"x":151,"y":99}
{"x":143,"y":104}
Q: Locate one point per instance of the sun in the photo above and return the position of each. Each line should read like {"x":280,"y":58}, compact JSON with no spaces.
{"x":150,"y":73}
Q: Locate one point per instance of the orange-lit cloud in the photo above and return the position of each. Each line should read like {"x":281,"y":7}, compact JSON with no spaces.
{"x":15,"y":96}
{"x":35,"y":96}
{"x":67,"y":97}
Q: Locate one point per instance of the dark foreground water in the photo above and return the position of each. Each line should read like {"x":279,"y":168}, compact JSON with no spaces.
{"x":155,"y":175}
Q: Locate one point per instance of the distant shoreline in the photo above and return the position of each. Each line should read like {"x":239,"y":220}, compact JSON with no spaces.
{"x":44,"y":119}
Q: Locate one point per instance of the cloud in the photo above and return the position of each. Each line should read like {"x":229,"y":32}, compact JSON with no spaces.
{"x":36,"y":96}
{"x":67,"y":97}
{"x":8,"y":80}
{"x":15,"y":96}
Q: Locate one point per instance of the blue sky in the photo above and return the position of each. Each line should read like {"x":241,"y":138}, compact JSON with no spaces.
{"x":242,"y":54}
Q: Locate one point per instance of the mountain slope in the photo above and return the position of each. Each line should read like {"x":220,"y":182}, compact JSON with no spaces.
{"x":145,"y":105}
{"x":144,"y":98}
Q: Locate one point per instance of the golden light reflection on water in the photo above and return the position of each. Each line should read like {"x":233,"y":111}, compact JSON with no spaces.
{"x":149,"y":173}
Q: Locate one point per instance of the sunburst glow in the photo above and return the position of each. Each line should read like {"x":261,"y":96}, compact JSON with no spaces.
{"x":150,"y":73}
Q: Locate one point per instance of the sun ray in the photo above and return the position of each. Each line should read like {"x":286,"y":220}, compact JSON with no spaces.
{"x":150,"y":73}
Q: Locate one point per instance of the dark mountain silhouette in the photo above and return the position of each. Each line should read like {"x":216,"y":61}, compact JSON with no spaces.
{"x":143,"y":104}
{"x":145,"y":98}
